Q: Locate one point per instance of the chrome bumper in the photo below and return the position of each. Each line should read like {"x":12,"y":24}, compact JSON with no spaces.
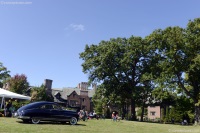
{"x":23,"y":117}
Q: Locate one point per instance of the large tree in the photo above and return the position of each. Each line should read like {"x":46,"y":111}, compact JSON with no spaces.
{"x":118,"y":64}
{"x":4,"y":74}
{"x":40,"y":94}
{"x":100,"y":100}
{"x":177,"y":51}
{"x":144,"y":96}
{"x":18,"y":83}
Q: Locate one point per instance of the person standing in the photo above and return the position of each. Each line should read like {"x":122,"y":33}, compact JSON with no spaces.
{"x":114,"y":116}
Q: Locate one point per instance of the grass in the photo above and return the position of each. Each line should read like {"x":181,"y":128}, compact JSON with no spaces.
{"x":14,"y":125}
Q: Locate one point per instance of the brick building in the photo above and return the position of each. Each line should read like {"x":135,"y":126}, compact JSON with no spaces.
{"x":80,"y":96}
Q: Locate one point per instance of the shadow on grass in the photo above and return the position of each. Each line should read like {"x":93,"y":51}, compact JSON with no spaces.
{"x":51,"y":123}
{"x":176,"y":123}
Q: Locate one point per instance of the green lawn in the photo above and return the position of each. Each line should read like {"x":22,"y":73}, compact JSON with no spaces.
{"x":13,"y":125}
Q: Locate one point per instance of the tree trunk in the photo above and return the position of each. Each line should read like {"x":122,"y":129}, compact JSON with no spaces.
{"x":197,"y":115}
{"x":123,"y":111}
{"x":133,"y":113}
{"x":142,"y":114}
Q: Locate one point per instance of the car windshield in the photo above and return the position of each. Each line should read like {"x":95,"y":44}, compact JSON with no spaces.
{"x":29,"y":106}
{"x":57,"y":107}
{"x":51,"y":106}
{"x":68,"y":108}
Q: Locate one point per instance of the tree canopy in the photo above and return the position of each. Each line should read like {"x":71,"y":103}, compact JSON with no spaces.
{"x":4,"y":74}
{"x":119,"y":64}
{"x":169,"y":58}
{"x":40,"y":94}
{"x":18,"y":83}
{"x":178,"y":50}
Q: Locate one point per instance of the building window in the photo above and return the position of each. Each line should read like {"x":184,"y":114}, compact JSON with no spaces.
{"x":83,"y":99}
{"x":83,"y":107}
{"x":73,"y":103}
{"x":74,"y":95}
{"x":153,"y":113}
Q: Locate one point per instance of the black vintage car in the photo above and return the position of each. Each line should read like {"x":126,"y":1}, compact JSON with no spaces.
{"x":46,"y":111}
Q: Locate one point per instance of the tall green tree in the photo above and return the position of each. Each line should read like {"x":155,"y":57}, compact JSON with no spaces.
{"x":177,"y":53}
{"x":183,"y":109}
{"x":18,"y":83}
{"x":117,"y":64}
{"x":166,"y":98}
{"x":144,"y":96}
{"x":40,"y":94}
{"x":4,"y":74}
{"x":99,"y":100}
{"x":104,"y":101}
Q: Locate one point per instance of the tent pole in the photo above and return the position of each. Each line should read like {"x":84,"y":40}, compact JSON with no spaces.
{"x":4,"y":106}
{"x":2,"y":101}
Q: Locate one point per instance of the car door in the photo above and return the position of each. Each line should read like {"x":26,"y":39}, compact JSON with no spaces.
{"x":45,"y":112}
{"x":58,"y":113}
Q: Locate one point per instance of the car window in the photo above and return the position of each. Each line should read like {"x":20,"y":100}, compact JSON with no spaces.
{"x":57,"y":107}
{"x":47,"y":106}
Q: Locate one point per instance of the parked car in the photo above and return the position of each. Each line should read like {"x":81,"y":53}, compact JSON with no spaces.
{"x":46,"y":111}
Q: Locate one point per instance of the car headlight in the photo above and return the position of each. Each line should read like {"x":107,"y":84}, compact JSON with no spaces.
{"x":20,"y":113}
{"x":16,"y":114}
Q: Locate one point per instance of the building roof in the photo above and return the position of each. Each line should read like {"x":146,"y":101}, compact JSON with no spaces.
{"x":64,"y":92}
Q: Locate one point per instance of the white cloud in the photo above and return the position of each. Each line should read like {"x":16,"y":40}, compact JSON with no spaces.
{"x":77,"y":27}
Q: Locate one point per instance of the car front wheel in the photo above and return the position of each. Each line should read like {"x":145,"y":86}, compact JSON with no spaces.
{"x":35,"y":121}
{"x":73,"y":121}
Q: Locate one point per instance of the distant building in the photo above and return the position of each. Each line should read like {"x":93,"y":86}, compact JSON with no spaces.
{"x":154,"y":112}
{"x":80,"y":96}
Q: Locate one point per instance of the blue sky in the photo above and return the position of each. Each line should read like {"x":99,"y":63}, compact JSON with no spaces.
{"x":43,"y":38}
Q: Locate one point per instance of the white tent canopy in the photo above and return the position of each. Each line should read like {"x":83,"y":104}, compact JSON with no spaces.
{"x":9,"y":94}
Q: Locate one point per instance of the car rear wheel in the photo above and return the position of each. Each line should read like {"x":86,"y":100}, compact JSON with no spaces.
{"x":73,"y":121}
{"x":35,"y":121}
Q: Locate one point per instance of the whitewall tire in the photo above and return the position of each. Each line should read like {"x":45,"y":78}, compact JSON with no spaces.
{"x":73,"y":121}
{"x":35,"y":121}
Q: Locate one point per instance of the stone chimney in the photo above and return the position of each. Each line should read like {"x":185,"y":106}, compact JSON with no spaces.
{"x":94,"y":86}
{"x":48,"y":84}
{"x":83,"y":86}
{"x":48,"y":87}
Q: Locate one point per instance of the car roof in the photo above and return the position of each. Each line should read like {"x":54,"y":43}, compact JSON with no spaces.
{"x":35,"y":104}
